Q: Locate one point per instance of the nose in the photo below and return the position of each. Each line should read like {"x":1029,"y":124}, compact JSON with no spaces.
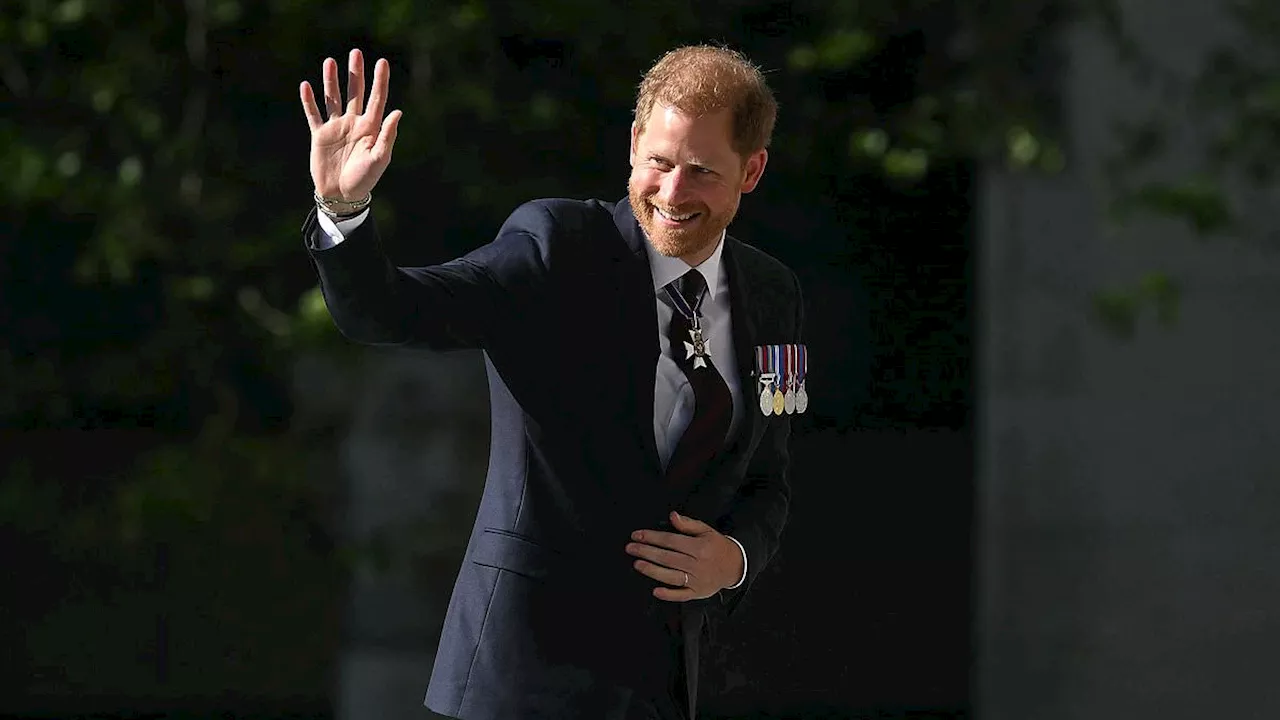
{"x":676,"y":187}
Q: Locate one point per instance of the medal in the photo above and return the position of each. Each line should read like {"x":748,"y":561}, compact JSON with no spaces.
{"x":779,"y":400}
{"x":789,"y":399}
{"x":764,"y":367}
{"x":766,"y":394}
{"x":802,"y":369}
{"x":697,"y":347}
{"x":700,"y":348}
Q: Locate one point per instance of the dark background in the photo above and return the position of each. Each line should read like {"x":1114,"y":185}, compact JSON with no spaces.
{"x":170,"y":549}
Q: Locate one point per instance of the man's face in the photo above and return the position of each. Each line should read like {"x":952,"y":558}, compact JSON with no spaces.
{"x":686,"y":180}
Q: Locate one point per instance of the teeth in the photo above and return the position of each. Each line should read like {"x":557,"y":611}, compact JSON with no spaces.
{"x":674,"y":218}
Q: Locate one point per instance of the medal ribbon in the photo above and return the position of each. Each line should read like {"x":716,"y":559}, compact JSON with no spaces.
{"x":764,"y":359}
{"x":682,"y":305}
{"x":777,"y":362}
{"x":803,"y":362}
{"x":782,"y":367}
{"x":791,"y":366}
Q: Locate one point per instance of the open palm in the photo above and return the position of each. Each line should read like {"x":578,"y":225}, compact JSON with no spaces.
{"x":352,"y":148}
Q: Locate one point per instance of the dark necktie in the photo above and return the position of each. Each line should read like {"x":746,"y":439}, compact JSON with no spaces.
{"x":713,"y":405}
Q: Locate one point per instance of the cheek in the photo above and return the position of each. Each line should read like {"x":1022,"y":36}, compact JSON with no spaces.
{"x":719,"y":199}
{"x":645,"y":181}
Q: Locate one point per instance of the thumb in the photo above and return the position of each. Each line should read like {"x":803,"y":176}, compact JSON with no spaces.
{"x":688,"y":525}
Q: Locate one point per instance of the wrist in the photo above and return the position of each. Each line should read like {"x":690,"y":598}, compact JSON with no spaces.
{"x":339,"y":208}
{"x":740,"y":567}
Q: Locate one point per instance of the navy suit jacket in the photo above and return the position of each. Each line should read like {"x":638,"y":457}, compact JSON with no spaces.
{"x":548,"y":618}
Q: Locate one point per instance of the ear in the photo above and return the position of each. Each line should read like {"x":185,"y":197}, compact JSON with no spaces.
{"x":635,"y":137}
{"x":753,"y":169}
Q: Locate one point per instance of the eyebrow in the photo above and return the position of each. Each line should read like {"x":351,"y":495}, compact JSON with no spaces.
{"x":696,"y":162}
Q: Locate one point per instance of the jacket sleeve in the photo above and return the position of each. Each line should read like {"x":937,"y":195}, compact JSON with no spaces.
{"x":459,"y":304}
{"x":758,"y":511}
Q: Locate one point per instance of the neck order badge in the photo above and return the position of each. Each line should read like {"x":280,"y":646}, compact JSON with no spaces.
{"x":697,"y":347}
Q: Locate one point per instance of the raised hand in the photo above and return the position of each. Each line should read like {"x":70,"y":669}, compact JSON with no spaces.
{"x":352,"y":148}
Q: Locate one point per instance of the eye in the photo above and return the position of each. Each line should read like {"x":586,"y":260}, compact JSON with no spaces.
{"x":703,"y":170}
{"x":660,"y":162}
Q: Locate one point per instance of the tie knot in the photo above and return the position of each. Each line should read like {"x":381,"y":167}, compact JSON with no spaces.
{"x":691,"y":285}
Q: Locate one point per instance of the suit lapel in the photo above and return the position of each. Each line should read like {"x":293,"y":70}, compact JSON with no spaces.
{"x":744,"y":335}
{"x":640,"y":311}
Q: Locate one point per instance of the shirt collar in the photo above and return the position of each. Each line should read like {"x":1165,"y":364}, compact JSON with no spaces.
{"x":667,"y":269}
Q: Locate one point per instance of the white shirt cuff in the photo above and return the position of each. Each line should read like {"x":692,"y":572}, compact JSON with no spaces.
{"x":335,"y":232}
{"x":744,"y":564}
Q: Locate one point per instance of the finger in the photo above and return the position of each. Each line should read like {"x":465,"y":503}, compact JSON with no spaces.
{"x":332,"y":97}
{"x":387,"y":136}
{"x":667,"y":558}
{"x":683,"y":594}
{"x":674,"y":578}
{"x":381,"y":80}
{"x":355,"y":82}
{"x":314,"y":121}
{"x":688,"y":525}
{"x":673,"y":541}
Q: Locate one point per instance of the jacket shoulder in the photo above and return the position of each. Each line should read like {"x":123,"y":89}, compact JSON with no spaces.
{"x":761,"y":266}
{"x":569,"y":234}
{"x":544,"y":216}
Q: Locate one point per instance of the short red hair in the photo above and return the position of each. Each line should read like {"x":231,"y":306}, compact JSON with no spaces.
{"x":700,"y":79}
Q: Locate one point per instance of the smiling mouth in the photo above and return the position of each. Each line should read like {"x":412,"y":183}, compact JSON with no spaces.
{"x":675,"y":218}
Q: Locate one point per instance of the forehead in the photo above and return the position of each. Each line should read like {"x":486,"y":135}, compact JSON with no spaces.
{"x":709,"y":134}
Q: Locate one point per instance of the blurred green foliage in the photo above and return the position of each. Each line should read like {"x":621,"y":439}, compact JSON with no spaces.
{"x":154,"y":294}
{"x":153,"y":160}
{"x":1232,"y":100}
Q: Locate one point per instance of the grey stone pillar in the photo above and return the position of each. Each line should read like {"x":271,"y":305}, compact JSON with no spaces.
{"x":1128,"y":538}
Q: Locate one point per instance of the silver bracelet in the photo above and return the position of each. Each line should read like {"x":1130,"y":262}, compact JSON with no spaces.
{"x":338,"y":208}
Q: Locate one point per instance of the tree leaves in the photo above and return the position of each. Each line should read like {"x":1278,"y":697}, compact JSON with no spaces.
{"x":1119,"y":310}
{"x":1200,"y":202}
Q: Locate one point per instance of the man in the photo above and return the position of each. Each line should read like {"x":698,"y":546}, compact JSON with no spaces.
{"x":634,"y":482}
